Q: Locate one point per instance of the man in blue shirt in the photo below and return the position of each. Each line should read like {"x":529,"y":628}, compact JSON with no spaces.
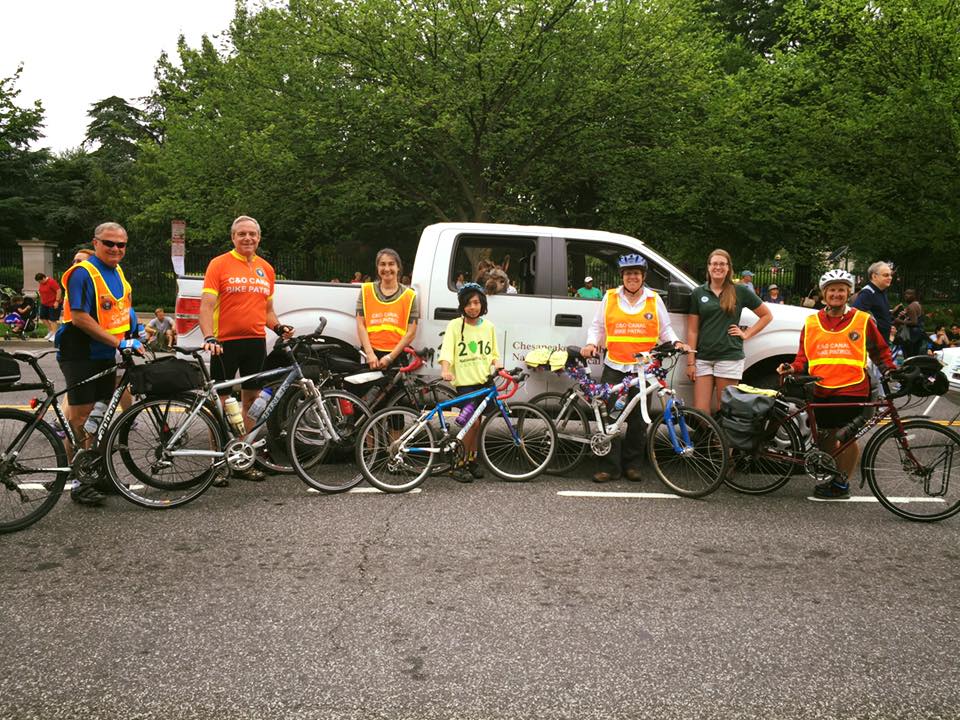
{"x":872,"y":297}
{"x":96,"y":315}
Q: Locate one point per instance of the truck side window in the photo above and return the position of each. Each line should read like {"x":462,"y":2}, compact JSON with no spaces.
{"x":503,"y":264}
{"x":599,"y":262}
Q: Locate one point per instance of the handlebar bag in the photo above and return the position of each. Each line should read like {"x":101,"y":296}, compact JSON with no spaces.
{"x":165,"y":377}
{"x":744,"y":413}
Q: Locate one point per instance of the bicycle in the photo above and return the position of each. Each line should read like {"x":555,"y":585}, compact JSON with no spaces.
{"x":189,"y":434}
{"x":398,"y":448}
{"x":908,"y":464}
{"x":34,"y":465}
{"x":686,"y":447}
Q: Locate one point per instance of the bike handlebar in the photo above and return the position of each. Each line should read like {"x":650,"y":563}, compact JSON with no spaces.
{"x":513,"y":378}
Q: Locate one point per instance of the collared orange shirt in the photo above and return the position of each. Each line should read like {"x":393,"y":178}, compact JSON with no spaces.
{"x":242,"y":290}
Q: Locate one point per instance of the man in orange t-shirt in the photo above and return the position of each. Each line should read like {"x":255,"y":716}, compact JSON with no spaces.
{"x":236,"y":307}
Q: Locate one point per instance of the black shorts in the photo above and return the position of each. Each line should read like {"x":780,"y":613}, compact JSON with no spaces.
{"x":464,"y":389}
{"x":49,"y":312}
{"x":75,"y":371}
{"x":832,"y":418}
{"x":245,"y":355}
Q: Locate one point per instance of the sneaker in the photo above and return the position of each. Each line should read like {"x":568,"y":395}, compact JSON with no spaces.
{"x":832,"y":490}
{"x":476,"y":472}
{"x":84,"y":494}
{"x":220,"y":481}
{"x":251,"y":474}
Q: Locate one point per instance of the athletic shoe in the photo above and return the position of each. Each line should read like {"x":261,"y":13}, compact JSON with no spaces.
{"x":252,"y":474}
{"x":476,"y":472}
{"x":84,"y":494}
{"x":832,"y":490}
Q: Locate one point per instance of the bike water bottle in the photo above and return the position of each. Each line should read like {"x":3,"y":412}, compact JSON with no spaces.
{"x":94,"y":418}
{"x":465,"y":413}
{"x":260,"y":404}
{"x":234,"y":415}
{"x":619,"y":405}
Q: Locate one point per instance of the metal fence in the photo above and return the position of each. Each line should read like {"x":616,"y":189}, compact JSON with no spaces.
{"x":11,"y":267}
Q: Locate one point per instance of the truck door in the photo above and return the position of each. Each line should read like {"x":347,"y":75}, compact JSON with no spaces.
{"x":513,"y":268}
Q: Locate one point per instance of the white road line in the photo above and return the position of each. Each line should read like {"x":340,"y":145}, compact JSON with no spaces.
{"x":872,"y":499}
{"x":600,"y":493}
{"x":362,"y":490}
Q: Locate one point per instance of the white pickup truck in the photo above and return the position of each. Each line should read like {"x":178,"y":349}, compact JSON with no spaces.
{"x":544,"y":263}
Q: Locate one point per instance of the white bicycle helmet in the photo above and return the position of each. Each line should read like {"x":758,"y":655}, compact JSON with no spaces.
{"x":835,"y":276}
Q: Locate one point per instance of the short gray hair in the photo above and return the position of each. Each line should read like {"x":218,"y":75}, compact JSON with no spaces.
{"x":876,"y":268}
{"x":108,"y":226}
{"x":244,"y":218}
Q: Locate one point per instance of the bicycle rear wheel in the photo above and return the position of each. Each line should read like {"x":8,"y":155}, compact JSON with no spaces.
{"x":28,"y":488}
{"x":573,"y":430}
{"x":382,"y":461}
{"x":519,"y":446}
{"x":310,"y":442}
{"x":137,"y":447}
{"x":420,"y":395}
{"x":915,"y":475}
{"x":760,"y":471}
{"x":699,"y":467}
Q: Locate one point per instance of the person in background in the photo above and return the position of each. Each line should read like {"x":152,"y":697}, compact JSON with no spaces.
{"x":51,"y":297}
{"x":161,"y":335}
{"x":912,"y":317}
{"x":630,"y":319}
{"x":236,"y":308}
{"x":713,"y":329}
{"x":387,"y":313}
{"x":939,"y":340}
{"x":872,"y":297}
{"x":357,"y":278}
{"x":746,"y":279}
{"x":460,"y":281}
{"x":469,"y":368}
{"x":954,"y":335}
{"x":588,"y":291}
{"x":834,"y":344}
{"x":773,"y":295}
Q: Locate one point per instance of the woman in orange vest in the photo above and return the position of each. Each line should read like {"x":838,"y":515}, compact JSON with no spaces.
{"x":387,"y":313}
{"x":834,"y":345}
{"x":631,"y":319}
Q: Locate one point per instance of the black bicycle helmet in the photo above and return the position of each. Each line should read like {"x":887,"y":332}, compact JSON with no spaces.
{"x":468,"y":291}
{"x":922,"y":376}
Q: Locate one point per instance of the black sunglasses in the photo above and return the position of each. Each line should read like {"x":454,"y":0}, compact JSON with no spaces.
{"x":113,"y":243}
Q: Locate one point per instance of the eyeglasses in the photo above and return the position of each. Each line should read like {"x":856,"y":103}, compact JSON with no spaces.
{"x":112,"y":243}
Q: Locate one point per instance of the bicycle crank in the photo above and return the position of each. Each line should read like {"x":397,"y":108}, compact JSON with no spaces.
{"x":600,"y":444}
{"x":820,"y":466}
{"x":240,"y":455}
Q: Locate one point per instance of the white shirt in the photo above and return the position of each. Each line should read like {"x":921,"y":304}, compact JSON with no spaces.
{"x":597,"y":332}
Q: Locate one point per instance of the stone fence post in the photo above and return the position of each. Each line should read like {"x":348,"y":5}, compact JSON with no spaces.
{"x":38,"y":257}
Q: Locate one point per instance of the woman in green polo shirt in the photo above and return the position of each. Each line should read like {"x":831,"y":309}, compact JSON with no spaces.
{"x":713,"y":328}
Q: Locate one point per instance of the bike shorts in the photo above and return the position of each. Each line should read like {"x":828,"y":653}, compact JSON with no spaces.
{"x":245,"y":355}
{"x":464,"y":389}
{"x":76,"y":371}
{"x":832,"y":418}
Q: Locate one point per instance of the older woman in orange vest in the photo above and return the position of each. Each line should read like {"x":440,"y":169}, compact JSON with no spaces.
{"x":387,"y":313}
{"x":834,"y":344}
{"x":631,"y":319}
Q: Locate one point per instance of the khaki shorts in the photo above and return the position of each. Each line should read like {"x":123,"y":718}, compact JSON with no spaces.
{"x":727,"y":369}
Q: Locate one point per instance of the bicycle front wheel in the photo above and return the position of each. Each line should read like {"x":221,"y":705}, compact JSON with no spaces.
{"x":915,"y":474}
{"x":310,"y":440}
{"x":519,"y":445}
{"x":395,"y":451}
{"x":573,"y":430}
{"x":768,"y":468}
{"x":138,"y":452}
{"x":29,"y":486}
{"x":692,"y":469}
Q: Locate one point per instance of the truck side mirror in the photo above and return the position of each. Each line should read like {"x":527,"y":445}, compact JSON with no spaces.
{"x":678,"y":297}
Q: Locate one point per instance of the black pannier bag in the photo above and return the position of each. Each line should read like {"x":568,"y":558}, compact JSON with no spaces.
{"x":165,"y":377}
{"x":9,"y":371}
{"x":743,"y":415}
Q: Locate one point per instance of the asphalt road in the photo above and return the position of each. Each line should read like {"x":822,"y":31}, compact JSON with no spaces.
{"x":491,"y":600}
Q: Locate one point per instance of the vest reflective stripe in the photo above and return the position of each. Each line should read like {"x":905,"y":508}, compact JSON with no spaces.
{"x":386,"y":322}
{"x":630,"y":333}
{"x":113,"y":313}
{"x":839,"y":357}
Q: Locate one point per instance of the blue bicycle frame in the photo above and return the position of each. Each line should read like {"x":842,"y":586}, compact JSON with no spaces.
{"x":487,"y":394}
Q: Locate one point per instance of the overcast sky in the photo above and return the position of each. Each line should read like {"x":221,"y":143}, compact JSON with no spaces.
{"x":76,"y":52}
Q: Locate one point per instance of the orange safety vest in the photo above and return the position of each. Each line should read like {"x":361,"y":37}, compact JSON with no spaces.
{"x":386,"y":322}
{"x":113,"y":313}
{"x":630,"y":333}
{"x":840,"y":357}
